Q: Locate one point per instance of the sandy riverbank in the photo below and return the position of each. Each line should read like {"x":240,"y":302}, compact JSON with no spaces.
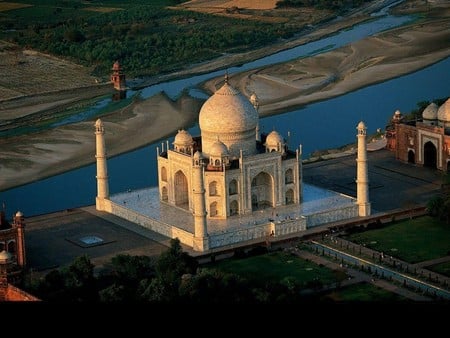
{"x":32,"y":157}
{"x":374,"y":59}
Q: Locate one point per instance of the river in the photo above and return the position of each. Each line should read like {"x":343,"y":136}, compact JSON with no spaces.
{"x":322,"y":125}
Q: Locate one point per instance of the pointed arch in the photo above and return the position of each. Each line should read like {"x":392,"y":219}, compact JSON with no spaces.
{"x":12,"y":247}
{"x":289,"y":196}
{"x":429,"y":155}
{"x":262,"y":191}
{"x":181,"y":190}
{"x":213,"y":209}
{"x":234,"y":208}
{"x":213,"y":189}
{"x":164,"y":194}
{"x":411,"y":157}
{"x":232,"y":187}
{"x":289,"y":176}
{"x":163,"y":174}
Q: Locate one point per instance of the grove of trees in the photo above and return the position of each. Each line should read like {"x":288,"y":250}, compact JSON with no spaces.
{"x":174,"y":277}
{"x":146,"y":36}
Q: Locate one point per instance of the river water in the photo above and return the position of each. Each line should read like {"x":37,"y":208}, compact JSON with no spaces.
{"x":322,"y":125}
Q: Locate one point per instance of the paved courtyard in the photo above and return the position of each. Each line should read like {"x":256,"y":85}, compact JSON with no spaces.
{"x":392,"y":184}
{"x":55,"y":239}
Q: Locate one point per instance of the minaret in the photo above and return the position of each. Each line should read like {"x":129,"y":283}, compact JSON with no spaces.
{"x":362,"y":180}
{"x":102,"y":172}
{"x":118,"y":77}
{"x":254,"y":101}
{"x":201,"y":240}
{"x":20,"y":225}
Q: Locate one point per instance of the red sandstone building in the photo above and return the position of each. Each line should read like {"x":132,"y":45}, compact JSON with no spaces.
{"x":118,"y":77}
{"x":12,"y":258}
{"x":424,"y":142}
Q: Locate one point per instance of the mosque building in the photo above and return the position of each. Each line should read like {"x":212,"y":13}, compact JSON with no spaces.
{"x":231,"y":184}
{"x":425,"y":142}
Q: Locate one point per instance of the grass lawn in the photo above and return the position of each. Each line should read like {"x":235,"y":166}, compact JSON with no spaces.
{"x":362,"y":292}
{"x":443,"y":268}
{"x":413,"y":241}
{"x":275,"y":266}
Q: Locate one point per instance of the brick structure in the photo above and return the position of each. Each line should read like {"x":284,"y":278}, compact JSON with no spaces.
{"x":9,"y":292}
{"x":12,"y":258}
{"x":424,"y":142}
{"x":12,"y":238}
{"x":118,"y":77}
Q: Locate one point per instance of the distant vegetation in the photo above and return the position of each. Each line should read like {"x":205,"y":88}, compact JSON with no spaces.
{"x":146,"y":36}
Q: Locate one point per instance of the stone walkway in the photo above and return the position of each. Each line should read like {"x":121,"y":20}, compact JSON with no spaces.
{"x":389,"y":261}
{"x":432,"y":262}
{"x":359,"y":276}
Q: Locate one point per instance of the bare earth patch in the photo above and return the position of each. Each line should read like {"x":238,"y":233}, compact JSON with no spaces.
{"x":103,"y":9}
{"x":261,"y":10}
{"x":7,"y":6}
{"x":371,"y":60}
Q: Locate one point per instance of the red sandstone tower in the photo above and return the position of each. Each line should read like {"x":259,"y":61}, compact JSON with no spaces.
{"x":118,"y":77}
{"x":19,"y":224}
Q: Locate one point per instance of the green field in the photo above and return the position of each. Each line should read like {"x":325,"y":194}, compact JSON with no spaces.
{"x":443,"y":268}
{"x":413,"y":241}
{"x":276,"y":266}
{"x":362,"y":292}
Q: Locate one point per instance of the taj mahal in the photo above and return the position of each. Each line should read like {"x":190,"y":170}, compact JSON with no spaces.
{"x":231,"y":184}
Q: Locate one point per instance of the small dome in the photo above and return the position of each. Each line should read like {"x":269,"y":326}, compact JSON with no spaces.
{"x":19,"y":214}
{"x":198,"y":155}
{"x":99,"y":123}
{"x":218,"y":149}
{"x":5,"y":257}
{"x":361,"y":125}
{"x":443,"y":113}
{"x":430,"y":112}
{"x":183,"y":138}
{"x":273,"y":139}
{"x":254,"y":100}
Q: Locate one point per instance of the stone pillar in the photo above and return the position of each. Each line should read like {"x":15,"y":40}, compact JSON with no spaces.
{"x":201,"y":240}
{"x":102,"y":172}
{"x":362,"y":180}
{"x":20,"y":225}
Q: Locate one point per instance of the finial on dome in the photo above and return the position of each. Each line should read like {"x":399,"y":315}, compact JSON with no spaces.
{"x":226,"y":76}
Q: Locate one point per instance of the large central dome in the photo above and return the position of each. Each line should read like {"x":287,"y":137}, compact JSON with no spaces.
{"x":229,"y":116}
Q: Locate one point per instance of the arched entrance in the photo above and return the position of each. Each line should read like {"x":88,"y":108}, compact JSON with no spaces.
{"x":164,"y":174}
{"x":181,"y":190}
{"x":290,"y":196}
{"x":164,"y":195}
{"x":213,"y":210}
{"x":411,"y":157}
{"x":234,"y":208}
{"x":429,"y":155}
{"x":12,"y":247}
{"x":262,"y":191}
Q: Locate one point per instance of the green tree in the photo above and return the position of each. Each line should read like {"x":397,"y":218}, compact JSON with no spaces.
{"x":79,"y":280}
